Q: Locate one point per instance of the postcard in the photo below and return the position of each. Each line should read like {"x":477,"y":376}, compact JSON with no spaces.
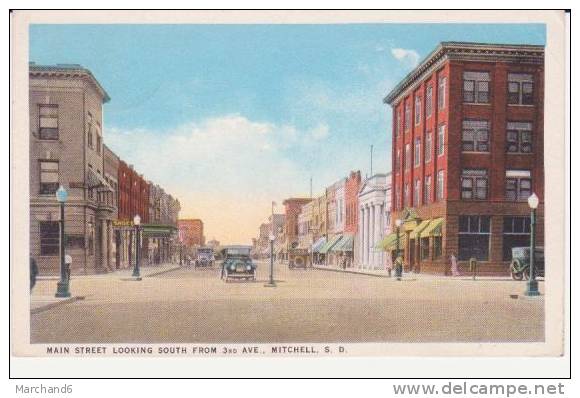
{"x":268,"y":184}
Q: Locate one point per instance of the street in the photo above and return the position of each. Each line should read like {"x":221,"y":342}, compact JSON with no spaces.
{"x":188,"y":305}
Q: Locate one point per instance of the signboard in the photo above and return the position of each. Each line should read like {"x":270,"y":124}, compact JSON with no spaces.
{"x":122,"y":223}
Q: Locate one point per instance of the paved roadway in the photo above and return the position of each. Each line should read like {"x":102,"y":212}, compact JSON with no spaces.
{"x":189,"y":306}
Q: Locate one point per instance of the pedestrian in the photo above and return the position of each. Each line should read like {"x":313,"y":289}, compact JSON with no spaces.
{"x":454,"y":266}
{"x":33,"y":272}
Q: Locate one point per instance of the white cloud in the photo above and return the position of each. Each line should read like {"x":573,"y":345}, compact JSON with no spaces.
{"x":406,"y":56}
{"x":225,"y":170}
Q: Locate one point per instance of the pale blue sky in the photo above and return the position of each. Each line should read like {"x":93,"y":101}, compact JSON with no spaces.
{"x":294,"y":100}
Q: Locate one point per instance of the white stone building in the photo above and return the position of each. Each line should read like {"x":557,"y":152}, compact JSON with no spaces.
{"x":374,"y":221}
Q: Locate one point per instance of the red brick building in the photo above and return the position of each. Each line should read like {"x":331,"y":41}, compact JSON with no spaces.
{"x":191,"y":232}
{"x":351,"y":188}
{"x":467,"y":151}
{"x":292,"y":208}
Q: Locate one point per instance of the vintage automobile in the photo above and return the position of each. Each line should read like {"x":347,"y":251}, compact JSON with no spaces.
{"x":238,"y":264}
{"x":520,"y":265}
{"x":204,"y":257}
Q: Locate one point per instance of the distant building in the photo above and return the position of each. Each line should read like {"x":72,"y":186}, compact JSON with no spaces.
{"x":191,"y":232}
{"x":292,"y":208}
{"x":66,"y":148}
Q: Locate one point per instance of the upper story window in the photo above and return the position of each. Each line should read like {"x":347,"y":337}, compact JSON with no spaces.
{"x":407,"y":116}
{"x":475,"y":136}
{"x":48,"y":177}
{"x":520,"y":89}
{"x":90,"y":137}
{"x":427,"y":190}
{"x":518,"y":185}
{"x":399,"y":122}
{"x":417,"y":193}
{"x":398,"y":161}
{"x":441,"y":92}
{"x":440,"y":184}
{"x":407,"y":156}
{"x":429,"y":101}
{"x":476,"y":87}
{"x":407,"y":196}
{"x":99,"y":143}
{"x":417,"y":110}
{"x":428,"y":146}
{"x":441,"y":140}
{"x":519,"y":137}
{"x":48,"y":122}
{"x":474,"y":184}
{"x":417,"y":152}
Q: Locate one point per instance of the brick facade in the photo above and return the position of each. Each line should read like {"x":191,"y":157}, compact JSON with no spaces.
{"x":456,"y":62}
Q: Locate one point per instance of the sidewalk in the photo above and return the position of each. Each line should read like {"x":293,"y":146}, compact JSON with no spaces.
{"x":411,"y":275}
{"x":145,"y":271}
{"x":43,"y":303}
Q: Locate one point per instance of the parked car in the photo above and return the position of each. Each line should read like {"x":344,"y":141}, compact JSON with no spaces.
{"x":520,"y":264}
{"x":238,"y":264}
{"x":204,"y":257}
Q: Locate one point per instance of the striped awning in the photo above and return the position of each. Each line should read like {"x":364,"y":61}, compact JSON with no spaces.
{"x":346,"y":244}
{"x":389,"y":243}
{"x":434,"y":228}
{"x":157,"y":230}
{"x":318,"y":244}
{"x":417,"y":232}
{"x":328,"y":245}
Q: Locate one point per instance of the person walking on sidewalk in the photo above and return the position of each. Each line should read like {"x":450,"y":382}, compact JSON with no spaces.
{"x":454,"y":266}
{"x":33,"y":272}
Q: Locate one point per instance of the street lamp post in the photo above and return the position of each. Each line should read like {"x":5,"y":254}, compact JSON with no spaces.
{"x":532,"y":285}
{"x":271,"y":282}
{"x":62,"y":287}
{"x":136,"y":271}
{"x":398,"y":264}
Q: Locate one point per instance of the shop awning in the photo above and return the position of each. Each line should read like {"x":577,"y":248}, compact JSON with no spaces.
{"x":328,"y":245}
{"x":157,"y":230}
{"x":95,"y":180}
{"x":389,"y":243}
{"x":417,"y":232}
{"x":386,"y":241}
{"x":346,"y":244}
{"x":434,"y":228}
{"x":318,"y":244}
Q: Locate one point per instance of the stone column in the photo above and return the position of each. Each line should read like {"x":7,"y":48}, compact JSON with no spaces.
{"x":369,"y":232}
{"x":361,"y":254}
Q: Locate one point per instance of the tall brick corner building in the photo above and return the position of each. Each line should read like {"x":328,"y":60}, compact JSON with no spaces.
{"x":467,"y":150}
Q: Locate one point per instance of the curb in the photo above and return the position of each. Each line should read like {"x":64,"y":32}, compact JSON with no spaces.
{"x":161,"y":272}
{"x":354,"y":272}
{"x":55,"y":304}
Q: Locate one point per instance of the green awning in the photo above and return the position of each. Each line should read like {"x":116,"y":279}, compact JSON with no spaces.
{"x":434,"y":228}
{"x":328,"y":245}
{"x":389,"y":243}
{"x":318,"y":244}
{"x":346,"y":244}
{"x":386,"y":241}
{"x":416,"y":233}
{"x":157,"y":230}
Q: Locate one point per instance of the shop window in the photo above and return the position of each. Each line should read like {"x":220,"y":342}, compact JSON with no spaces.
{"x":518,"y":185}
{"x":424,"y":248}
{"x":474,"y":233}
{"x":474,"y":184}
{"x":75,"y":242}
{"x":475,"y":136}
{"x":520,"y":89}
{"x":516,"y":233}
{"x":476,"y":87}
{"x":48,"y":122}
{"x":519,"y":137}
{"x":49,"y":238}
{"x":49,"y":177}
{"x":437,"y":247}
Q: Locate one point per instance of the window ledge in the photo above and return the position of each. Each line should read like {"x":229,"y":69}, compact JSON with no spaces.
{"x":523,"y":105}
{"x":476,"y":152}
{"x":477,"y":103}
{"x":519,"y":153}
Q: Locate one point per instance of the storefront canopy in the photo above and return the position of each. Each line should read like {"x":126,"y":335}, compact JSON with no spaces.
{"x":434,"y":228}
{"x":417,"y":232}
{"x":318,"y":244}
{"x":346,"y":244}
{"x":389,"y":243}
{"x":330,"y":244}
{"x":157,"y":231}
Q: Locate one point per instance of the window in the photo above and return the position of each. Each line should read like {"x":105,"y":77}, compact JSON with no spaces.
{"x":417,"y":152}
{"x":441,"y":140}
{"x":417,"y":193}
{"x":427,"y":190}
{"x":48,"y":122}
{"x":98,"y":143}
{"x":518,"y":185}
{"x":475,"y":136}
{"x":440,"y":184}
{"x":520,"y":89}
{"x":90,"y":137}
{"x":407,"y":156}
{"x":437,"y":246}
{"x":428,"y":146}
{"x":407,"y":116}
{"x":441,"y":92}
{"x":474,"y":184}
{"x":429,"y":101}
{"x":417,"y":110}
{"x":476,"y":87}
{"x":424,"y":248}
{"x":399,"y":122}
{"x":398,"y":161}
{"x":519,"y":137}
{"x":398,"y":197}
{"x":407,"y":195}
{"x":75,"y":241}
{"x":516,"y":233}
{"x":474,"y":232}
{"x":49,"y":238}
{"x":48,"y":177}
